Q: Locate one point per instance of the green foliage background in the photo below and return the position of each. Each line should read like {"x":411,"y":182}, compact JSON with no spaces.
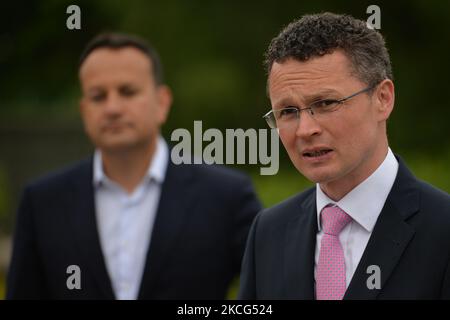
{"x":212,"y":52}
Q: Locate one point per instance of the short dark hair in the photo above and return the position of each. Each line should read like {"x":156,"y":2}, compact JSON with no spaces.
{"x":114,"y":40}
{"x":319,"y":34}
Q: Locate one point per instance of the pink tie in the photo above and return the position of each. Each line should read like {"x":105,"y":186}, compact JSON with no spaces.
{"x":330,"y":272}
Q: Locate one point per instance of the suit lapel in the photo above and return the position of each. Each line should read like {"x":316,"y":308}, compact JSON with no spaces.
{"x":390,"y":236}
{"x":177,"y":194}
{"x":300,"y":243}
{"x":83,"y":219}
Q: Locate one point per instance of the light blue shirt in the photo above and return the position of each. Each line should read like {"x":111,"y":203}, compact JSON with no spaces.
{"x":125,"y":221}
{"x":364,"y":204}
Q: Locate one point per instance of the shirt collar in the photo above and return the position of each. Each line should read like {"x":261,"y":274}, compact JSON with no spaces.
{"x":156,"y":170}
{"x":365,"y":202}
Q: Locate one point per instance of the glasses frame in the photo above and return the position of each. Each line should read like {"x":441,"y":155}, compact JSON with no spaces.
{"x":270,"y":114}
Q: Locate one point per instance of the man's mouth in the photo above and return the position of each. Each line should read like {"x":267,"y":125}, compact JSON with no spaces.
{"x":316,"y":153}
{"x":115,"y":126}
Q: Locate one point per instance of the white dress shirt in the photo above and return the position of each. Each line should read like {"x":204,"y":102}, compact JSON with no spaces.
{"x":364,"y":204}
{"x":125,"y":221}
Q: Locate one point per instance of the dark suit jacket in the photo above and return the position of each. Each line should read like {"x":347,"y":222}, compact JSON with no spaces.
{"x":198,"y":240}
{"x":410,"y":243}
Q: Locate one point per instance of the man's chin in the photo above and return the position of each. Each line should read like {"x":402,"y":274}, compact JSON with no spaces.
{"x":318,"y":175}
{"x":117,"y":145}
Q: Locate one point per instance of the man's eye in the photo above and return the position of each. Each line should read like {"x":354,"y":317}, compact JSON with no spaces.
{"x":98,"y":97}
{"x":128,"y":92}
{"x":325,"y":104}
{"x":287,"y":112}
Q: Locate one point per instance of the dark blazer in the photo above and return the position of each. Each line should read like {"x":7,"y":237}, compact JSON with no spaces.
{"x":410,"y":243}
{"x":198,"y":240}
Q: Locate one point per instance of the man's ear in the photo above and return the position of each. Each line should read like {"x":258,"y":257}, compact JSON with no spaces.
{"x":385,"y":98}
{"x":165,"y":99}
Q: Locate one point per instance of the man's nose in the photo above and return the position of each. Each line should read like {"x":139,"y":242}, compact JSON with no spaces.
{"x":113,"y":104}
{"x":307,"y":126}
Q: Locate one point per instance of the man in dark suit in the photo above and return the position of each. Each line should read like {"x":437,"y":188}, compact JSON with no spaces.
{"x":127,"y":223}
{"x":368,"y":229}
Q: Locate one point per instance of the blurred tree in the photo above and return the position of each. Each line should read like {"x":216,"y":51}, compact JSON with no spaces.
{"x":213,"y":52}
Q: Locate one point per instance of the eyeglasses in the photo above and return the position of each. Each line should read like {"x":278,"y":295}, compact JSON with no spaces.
{"x":289,"y":116}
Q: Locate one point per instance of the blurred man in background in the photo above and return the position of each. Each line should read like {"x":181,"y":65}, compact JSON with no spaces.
{"x":128,"y":222}
{"x":369,"y":229}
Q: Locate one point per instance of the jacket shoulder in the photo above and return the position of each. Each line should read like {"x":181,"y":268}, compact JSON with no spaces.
{"x":435,"y":203}
{"x":432,"y":195}
{"x":288,"y":209}
{"x":220,"y":172}
{"x":218,"y":176}
{"x":58,"y":179}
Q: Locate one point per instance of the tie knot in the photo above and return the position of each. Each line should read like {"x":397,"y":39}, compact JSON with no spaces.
{"x":334,"y":219}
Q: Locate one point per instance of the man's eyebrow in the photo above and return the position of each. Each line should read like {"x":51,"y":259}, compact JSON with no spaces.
{"x":128,"y":85}
{"x":307,"y":98}
{"x":94,"y":89}
{"x":286,"y":102}
{"x":319,"y":95}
